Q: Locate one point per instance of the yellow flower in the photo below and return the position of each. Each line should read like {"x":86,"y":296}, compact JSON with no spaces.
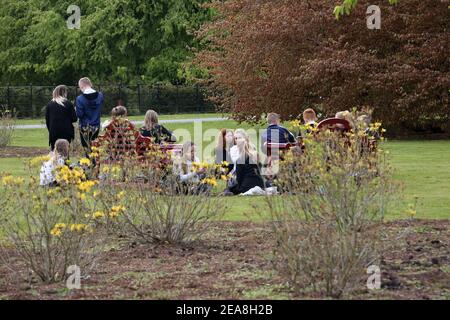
{"x":81,"y":196}
{"x":52,"y":191}
{"x":38,"y":161}
{"x":9,"y":180}
{"x":212,"y":181}
{"x":98,"y":214}
{"x":85,"y":162}
{"x":411,"y":213}
{"x":105,"y":169}
{"x":58,"y":229}
{"x":70,"y":176}
{"x":295,"y":123}
{"x":121,"y":194}
{"x":86,"y":186}
{"x":78,"y":227}
{"x":118,"y":208}
{"x":223,"y":177}
{"x":115,"y":170}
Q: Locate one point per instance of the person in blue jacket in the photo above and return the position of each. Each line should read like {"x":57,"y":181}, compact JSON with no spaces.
{"x":276,"y":133}
{"x":88,"y":106}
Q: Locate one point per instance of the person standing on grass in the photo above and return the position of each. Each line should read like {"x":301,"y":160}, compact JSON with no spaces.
{"x":60,"y":116}
{"x":88,"y":106}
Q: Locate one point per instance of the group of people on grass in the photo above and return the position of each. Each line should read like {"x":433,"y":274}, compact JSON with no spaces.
{"x":233,"y":148}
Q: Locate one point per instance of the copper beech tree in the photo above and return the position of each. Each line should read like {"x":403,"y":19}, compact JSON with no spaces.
{"x":287,"y":55}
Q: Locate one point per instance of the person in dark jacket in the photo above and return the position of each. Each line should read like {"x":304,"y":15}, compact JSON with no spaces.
{"x":276,"y":133}
{"x":60,"y":116}
{"x":152,"y":129}
{"x":89,"y":106}
{"x":248,"y":174}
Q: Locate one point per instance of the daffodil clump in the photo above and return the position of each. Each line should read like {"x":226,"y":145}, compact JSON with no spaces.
{"x":11,"y":181}
{"x":37,"y":161}
{"x":60,"y":228}
{"x":210,"y":181}
{"x":116,"y":211}
{"x":67,"y":176}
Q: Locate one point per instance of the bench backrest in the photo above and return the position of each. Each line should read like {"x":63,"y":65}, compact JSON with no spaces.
{"x":334,"y":124}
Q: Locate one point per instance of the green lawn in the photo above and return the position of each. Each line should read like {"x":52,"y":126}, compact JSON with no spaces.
{"x":138,"y":118}
{"x":423,"y":167}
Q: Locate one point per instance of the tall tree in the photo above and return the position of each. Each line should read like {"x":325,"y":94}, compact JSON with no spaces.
{"x":287,"y":55}
{"x":119,"y":40}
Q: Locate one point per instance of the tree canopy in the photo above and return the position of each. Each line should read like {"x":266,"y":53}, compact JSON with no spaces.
{"x":119,"y":40}
{"x":288,"y":55}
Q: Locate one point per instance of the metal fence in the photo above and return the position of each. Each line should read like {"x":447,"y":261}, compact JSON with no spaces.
{"x":30,"y":101}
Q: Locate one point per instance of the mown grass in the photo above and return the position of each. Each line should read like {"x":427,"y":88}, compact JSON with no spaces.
{"x":423,"y":167}
{"x":137,"y":118}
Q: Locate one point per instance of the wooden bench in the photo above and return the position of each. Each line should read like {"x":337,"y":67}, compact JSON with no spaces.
{"x":334,"y":124}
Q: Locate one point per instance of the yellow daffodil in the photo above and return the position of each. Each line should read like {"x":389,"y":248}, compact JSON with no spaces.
{"x":85,"y":162}
{"x":98,"y":214}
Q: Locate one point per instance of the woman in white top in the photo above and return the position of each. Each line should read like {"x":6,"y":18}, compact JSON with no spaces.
{"x":57,"y":159}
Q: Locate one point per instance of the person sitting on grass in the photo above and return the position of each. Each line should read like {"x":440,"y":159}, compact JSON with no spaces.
{"x":224,"y":143}
{"x":248,"y":174}
{"x":189,"y":178}
{"x":154,"y":130}
{"x":58,"y":159}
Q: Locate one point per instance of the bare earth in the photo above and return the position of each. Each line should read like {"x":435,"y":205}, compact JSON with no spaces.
{"x":22,"y":152}
{"x":234,"y":262}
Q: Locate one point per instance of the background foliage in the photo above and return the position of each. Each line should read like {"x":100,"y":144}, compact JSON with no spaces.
{"x":287,"y":55}
{"x":119,"y":41}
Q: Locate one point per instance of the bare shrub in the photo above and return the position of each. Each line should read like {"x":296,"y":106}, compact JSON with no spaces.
{"x":7,"y":122}
{"x":165,"y":216}
{"x":157,"y":207}
{"x":54,"y":228}
{"x":328,"y":221}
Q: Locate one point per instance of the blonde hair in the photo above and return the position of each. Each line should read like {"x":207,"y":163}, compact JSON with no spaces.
{"x":309,"y":115}
{"x":249,"y":149}
{"x":61,"y":150}
{"x":343,"y":115}
{"x":60,"y":95}
{"x":151,"y":118}
{"x":86,"y":81}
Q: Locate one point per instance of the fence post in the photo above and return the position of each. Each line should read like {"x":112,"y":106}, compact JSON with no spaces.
{"x":8,"y":98}
{"x":177,"y":99}
{"x":139,"y":97}
{"x":197,"y":97}
{"x":33,"y":111}
{"x":120,"y":94}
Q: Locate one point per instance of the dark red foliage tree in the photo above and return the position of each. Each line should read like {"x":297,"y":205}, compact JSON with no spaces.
{"x":287,"y":55}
